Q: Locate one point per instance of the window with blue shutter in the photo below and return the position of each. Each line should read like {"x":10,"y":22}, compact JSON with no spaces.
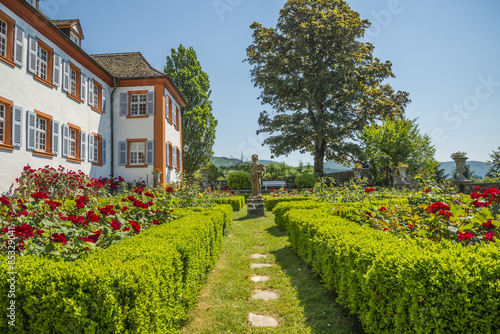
{"x":32,"y":54}
{"x":103,"y":159}
{"x":31,"y":133}
{"x":104,"y":100}
{"x":91,"y":93}
{"x":83,"y":145}
{"x":56,"y":71}
{"x":65,"y":140}
{"x":83,"y":87}
{"x":122,"y":153}
{"x":166,"y":154}
{"x":91,"y":147}
{"x":65,"y":78}
{"x":17,"y":126}
{"x":150,"y":154}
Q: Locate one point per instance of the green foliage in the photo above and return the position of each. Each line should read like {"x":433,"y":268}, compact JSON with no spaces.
{"x":440,"y":175}
{"x":145,"y":284}
{"x":323,"y":84}
{"x":236,"y":202}
{"x":239,"y":180}
{"x":400,"y":285}
{"x":214,"y":173}
{"x":271,"y":202}
{"x":494,"y":164}
{"x":397,"y":141}
{"x":278,"y":171}
{"x":305,"y":180}
{"x":198,"y":122}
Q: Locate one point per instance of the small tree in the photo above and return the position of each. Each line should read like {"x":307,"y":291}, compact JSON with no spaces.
{"x":440,"y":174}
{"x":385,"y":145}
{"x":493,"y":164}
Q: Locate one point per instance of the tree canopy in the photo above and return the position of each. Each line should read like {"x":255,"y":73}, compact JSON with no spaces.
{"x":322,"y":82}
{"x":494,"y":164}
{"x":198,"y":122}
{"x":394,"y":141}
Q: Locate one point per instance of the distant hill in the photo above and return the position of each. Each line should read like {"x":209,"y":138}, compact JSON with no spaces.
{"x":478,"y":167}
{"x":329,"y":166}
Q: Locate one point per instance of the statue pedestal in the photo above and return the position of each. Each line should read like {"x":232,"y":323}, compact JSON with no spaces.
{"x":256,"y":206}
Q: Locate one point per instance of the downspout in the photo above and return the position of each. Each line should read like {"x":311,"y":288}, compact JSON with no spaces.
{"x":115,"y":80}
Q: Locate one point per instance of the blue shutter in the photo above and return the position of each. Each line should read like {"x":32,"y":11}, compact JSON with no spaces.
{"x":32,"y":54}
{"x":56,"y":134}
{"x":122,"y":153}
{"x":150,"y":107}
{"x":91,"y":147}
{"x":65,"y":77}
{"x":56,"y":71}
{"x":65,"y":140}
{"x":17,"y":126}
{"x":83,"y":145}
{"x":166,"y":151}
{"x":19,"y":47}
{"x":103,"y":143}
{"x":91,"y":93}
{"x":83,"y":87}
{"x":124,"y":104}
{"x":150,"y":154}
{"x":104,"y":100}
{"x":31,"y":133}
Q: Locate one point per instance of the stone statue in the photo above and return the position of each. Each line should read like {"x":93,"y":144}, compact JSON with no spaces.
{"x":258,"y":171}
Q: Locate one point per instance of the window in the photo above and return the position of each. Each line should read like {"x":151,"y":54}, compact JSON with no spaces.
{"x":40,"y":131}
{"x":72,"y":143}
{"x":40,"y":60}
{"x":97,"y":147}
{"x":2,"y":124}
{"x":10,"y":124}
{"x":169,"y":110}
{"x":95,"y":97}
{"x":75,"y":39}
{"x":73,"y":81}
{"x":6,"y":38}
{"x":135,"y":152}
{"x":137,"y":104}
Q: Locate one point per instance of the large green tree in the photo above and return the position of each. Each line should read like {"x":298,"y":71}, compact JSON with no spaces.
{"x":322,"y":82}
{"x":394,"y":141}
{"x":198,"y":122}
{"x":494,"y":164}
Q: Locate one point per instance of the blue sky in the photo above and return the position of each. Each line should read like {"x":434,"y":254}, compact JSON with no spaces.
{"x":445,"y":54}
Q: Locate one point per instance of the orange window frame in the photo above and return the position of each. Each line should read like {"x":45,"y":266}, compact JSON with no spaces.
{"x":50,"y":56}
{"x":136,"y":92}
{"x":78,"y":72}
{"x":177,"y":118}
{"x":143,"y":140}
{"x":48,"y":135}
{"x":169,"y":110}
{"x":7,"y":143}
{"x":170,"y":155}
{"x":9,"y":49}
{"x":99,"y":97}
{"x":99,"y":149}
{"x":78,"y":140}
{"x":178,"y":157}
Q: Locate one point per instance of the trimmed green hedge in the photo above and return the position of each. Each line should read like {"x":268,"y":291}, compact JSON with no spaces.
{"x":237,"y":202}
{"x":400,"y":285}
{"x":145,"y":284}
{"x":271,"y":201}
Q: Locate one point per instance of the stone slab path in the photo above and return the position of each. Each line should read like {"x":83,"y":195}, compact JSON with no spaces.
{"x":259,"y":285}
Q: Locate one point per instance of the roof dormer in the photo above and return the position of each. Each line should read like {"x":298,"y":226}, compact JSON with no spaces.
{"x":34,"y":3}
{"x":72,"y":29}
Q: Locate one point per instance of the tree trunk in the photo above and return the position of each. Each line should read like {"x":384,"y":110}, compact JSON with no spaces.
{"x":319,"y":156}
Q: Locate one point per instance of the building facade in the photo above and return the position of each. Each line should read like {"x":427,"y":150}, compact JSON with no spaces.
{"x":108,"y":114}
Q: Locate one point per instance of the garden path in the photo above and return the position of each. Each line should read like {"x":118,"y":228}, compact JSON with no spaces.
{"x":259,"y":285}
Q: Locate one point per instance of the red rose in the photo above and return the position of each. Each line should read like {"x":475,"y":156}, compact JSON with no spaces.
{"x":382,"y":208}
{"x":477,"y":188}
{"x":427,"y":190}
{"x":465,"y":236}
{"x":115,"y":224}
{"x":135,"y":226}
{"x":56,"y":237}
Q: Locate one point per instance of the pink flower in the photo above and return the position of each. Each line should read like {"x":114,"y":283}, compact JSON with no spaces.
{"x":489,"y":236}
{"x":465,"y":236}
{"x":488,"y":224}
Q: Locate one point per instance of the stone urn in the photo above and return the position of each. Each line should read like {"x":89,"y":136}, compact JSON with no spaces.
{"x":460,"y":168}
{"x":402,"y":174}
{"x":357,"y":173}
{"x":156,"y":178}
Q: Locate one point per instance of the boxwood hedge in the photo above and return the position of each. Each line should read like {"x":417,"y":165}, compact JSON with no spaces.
{"x":145,"y":284}
{"x":237,"y":202}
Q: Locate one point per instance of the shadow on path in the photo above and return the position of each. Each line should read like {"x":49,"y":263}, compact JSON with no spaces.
{"x":322,"y":313}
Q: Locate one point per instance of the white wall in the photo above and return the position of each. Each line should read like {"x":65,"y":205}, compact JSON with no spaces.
{"x":173,"y":136}
{"x":19,"y":86}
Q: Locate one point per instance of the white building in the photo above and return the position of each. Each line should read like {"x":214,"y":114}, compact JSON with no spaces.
{"x":109,"y":114}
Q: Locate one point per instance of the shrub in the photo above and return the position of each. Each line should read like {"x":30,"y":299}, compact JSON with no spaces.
{"x":236,"y":202}
{"x":306,"y":180}
{"x":239,"y":180}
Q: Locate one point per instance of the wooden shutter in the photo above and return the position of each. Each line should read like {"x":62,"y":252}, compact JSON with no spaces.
{"x":170,"y":155}
{"x":150,"y":152}
{"x":91,"y":93}
{"x":91,"y":147}
{"x":19,"y":47}
{"x":56,"y":135}
{"x":150,"y":107}
{"x":122,"y":153}
{"x":31,"y":140}
{"x":83,"y":145}
{"x":65,"y":77}
{"x":178,"y":159}
{"x":103,"y":154}
{"x":56,"y":71}
{"x":65,"y":140}
{"x":123,"y":104}
{"x":17,"y":126}
{"x":103,"y":100}
{"x":83,"y":87}
{"x":32,"y":54}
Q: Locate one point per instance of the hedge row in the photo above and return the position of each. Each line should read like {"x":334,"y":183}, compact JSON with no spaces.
{"x":271,"y":201}
{"x":145,"y":284}
{"x":400,"y":285}
{"x":237,"y":202}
